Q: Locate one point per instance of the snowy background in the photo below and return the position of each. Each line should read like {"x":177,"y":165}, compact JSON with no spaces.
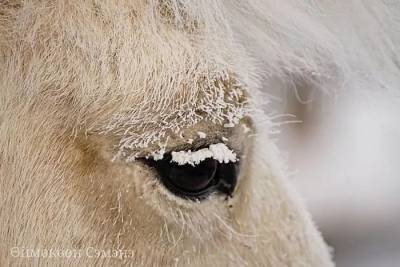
{"x":345,"y":158}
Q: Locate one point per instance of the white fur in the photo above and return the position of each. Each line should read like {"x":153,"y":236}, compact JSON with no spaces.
{"x":84,"y":82}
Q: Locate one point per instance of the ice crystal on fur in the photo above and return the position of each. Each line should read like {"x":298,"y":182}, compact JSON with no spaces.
{"x":140,"y":71}
{"x":222,"y":103}
{"x":219,"y":152}
{"x":201,"y":134}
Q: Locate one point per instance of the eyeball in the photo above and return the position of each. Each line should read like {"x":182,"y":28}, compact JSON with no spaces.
{"x":195,"y":181}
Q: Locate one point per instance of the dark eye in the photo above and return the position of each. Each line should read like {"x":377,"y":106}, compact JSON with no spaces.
{"x":196,"y":182}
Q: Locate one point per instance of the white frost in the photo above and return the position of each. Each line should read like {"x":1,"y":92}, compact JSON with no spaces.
{"x":189,"y":141}
{"x":202,"y":134}
{"x":158,"y":155}
{"x":219,"y":152}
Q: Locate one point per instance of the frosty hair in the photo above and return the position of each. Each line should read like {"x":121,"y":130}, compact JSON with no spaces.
{"x":153,"y":57}
{"x":140,"y":71}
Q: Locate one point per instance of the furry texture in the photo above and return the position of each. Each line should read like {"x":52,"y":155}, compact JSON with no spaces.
{"x":84,"y":81}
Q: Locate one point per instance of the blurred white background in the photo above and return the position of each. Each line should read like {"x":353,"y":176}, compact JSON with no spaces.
{"x":345,"y":158}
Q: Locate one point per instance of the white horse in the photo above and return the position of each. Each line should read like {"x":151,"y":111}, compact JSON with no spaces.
{"x":133,"y":132}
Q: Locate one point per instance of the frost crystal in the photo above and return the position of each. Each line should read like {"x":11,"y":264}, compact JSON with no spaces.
{"x":158,"y":155}
{"x":219,"y":152}
{"x":217,"y":98}
{"x":202,"y":134}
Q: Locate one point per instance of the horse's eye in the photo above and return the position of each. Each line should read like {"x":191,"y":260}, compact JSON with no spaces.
{"x":195,"y":182}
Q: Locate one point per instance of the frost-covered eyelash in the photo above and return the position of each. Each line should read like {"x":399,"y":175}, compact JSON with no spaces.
{"x":197,"y":152}
{"x":219,"y":152}
{"x":189,"y":152}
{"x":186,"y":145}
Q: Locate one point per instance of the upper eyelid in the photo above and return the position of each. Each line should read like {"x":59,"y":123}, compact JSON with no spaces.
{"x":196,"y":144}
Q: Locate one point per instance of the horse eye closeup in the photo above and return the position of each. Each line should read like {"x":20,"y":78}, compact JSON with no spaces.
{"x":195,"y":182}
